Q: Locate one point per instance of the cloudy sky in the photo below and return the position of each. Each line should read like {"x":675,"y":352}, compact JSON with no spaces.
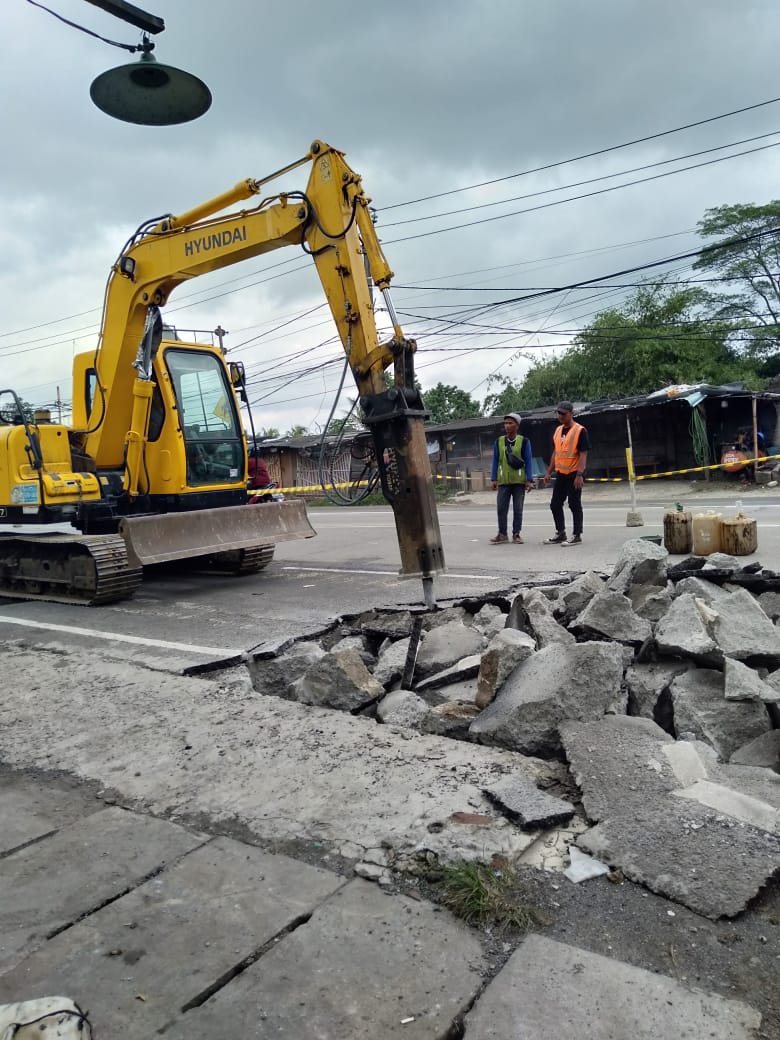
{"x":445,"y":108}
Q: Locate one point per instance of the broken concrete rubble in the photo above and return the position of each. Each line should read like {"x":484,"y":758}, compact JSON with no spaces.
{"x":522,"y":801}
{"x":580,"y":681}
{"x":611,"y":614}
{"x":639,"y":563}
{"x":701,"y":709}
{"x":598,"y":998}
{"x":647,"y":682}
{"x":439,"y":645}
{"x":683,"y":632}
{"x":505,"y":651}
{"x":390,"y":663}
{"x":338,"y":680}
{"x":572,"y":599}
{"x":465,"y":668}
{"x":704,"y":857}
{"x":650,"y":602}
{"x":744,"y":684}
{"x":680,"y":649}
{"x":532,"y":612}
{"x":764,"y":752}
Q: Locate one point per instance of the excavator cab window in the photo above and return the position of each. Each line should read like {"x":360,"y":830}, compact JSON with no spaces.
{"x":207,"y":415}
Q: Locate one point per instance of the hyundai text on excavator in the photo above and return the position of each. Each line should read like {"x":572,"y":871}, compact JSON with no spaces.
{"x":154,"y":465}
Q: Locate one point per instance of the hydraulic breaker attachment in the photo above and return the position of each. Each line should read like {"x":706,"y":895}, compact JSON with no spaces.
{"x":396,"y":420}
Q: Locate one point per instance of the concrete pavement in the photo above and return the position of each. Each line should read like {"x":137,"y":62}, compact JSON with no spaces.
{"x":152,"y":916}
{"x":157,"y":928}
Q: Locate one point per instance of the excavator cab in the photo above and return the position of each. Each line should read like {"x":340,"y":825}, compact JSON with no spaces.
{"x":206,"y":411}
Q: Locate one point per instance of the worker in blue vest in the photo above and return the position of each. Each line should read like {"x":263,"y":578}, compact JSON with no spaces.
{"x":511,"y":474}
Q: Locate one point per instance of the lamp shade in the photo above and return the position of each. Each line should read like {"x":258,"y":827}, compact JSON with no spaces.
{"x":150,"y":93}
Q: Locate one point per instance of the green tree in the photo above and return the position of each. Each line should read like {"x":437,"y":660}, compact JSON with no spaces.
{"x":268,"y":431}
{"x":505,"y":397}
{"x":663,"y":335}
{"x":9,"y":412}
{"x":344,"y":424}
{"x":297,"y":431}
{"x":448,"y":403}
{"x":745,"y":252}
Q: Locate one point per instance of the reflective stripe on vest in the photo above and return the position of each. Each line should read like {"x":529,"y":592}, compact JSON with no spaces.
{"x":505,"y":474}
{"x":566,"y":454}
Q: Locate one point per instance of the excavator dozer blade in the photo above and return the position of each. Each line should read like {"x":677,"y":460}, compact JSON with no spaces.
{"x":207,"y":532}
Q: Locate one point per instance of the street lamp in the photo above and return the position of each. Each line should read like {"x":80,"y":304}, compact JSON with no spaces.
{"x":147,"y":92}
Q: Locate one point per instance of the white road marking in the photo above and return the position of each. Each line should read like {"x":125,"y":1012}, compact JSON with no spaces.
{"x":117,"y":637}
{"x":392,"y":574}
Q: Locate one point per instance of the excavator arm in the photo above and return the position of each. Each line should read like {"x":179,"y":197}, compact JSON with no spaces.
{"x":331,"y":221}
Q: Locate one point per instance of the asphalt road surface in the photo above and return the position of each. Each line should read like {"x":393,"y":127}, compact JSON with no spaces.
{"x":177,"y":622}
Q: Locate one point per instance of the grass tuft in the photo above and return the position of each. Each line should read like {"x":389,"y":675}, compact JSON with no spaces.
{"x":481,"y":894}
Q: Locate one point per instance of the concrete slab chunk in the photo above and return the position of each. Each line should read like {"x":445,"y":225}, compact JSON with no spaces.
{"x":710,"y":861}
{"x":49,"y":885}
{"x":701,"y":709}
{"x":523,"y":801}
{"x":364,"y":964}
{"x":742,"y":683}
{"x":174,"y":937}
{"x":733,"y":803}
{"x":549,"y":989}
{"x":763,"y":752}
{"x":557,"y":683}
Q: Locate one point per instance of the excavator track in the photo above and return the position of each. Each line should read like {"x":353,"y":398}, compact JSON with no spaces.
{"x":237,"y":562}
{"x":87,"y":569}
{"x":250,"y":560}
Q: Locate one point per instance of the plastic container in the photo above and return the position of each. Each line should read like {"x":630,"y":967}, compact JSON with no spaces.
{"x":739,"y":535}
{"x":678,"y":531}
{"x":706,"y":533}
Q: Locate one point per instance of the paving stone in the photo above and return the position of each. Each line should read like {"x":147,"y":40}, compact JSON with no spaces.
{"x":32,"y":810}
{"x":47,"y":886}
{"x":549,"y":989}
{"x":136,"y":962}
{"x":366,"y":965}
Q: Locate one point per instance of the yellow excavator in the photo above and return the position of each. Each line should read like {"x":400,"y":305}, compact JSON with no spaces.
{"x":154,"y":465}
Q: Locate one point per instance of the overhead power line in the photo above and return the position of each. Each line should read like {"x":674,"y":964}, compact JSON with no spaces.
{"x":585,"y":195}
{"x":589,"y":180}
{"x":585,"y":155}
{"x":640,"y":267}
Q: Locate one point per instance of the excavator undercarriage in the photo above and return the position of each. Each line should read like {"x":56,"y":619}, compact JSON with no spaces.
{"x":97,"y":569}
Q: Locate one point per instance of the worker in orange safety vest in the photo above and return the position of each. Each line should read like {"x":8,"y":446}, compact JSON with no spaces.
{"x":568,"y":462}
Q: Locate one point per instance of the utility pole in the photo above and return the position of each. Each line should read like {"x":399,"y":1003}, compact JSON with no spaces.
{"x":219,"y":332}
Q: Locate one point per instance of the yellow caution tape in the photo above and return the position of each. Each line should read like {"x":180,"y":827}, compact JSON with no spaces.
{"x":304,"y":488}
{"x":677,"y":472}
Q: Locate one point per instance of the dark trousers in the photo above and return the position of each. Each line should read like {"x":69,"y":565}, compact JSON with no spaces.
{"x":514,"y":493}
{"x":564,"y":489}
